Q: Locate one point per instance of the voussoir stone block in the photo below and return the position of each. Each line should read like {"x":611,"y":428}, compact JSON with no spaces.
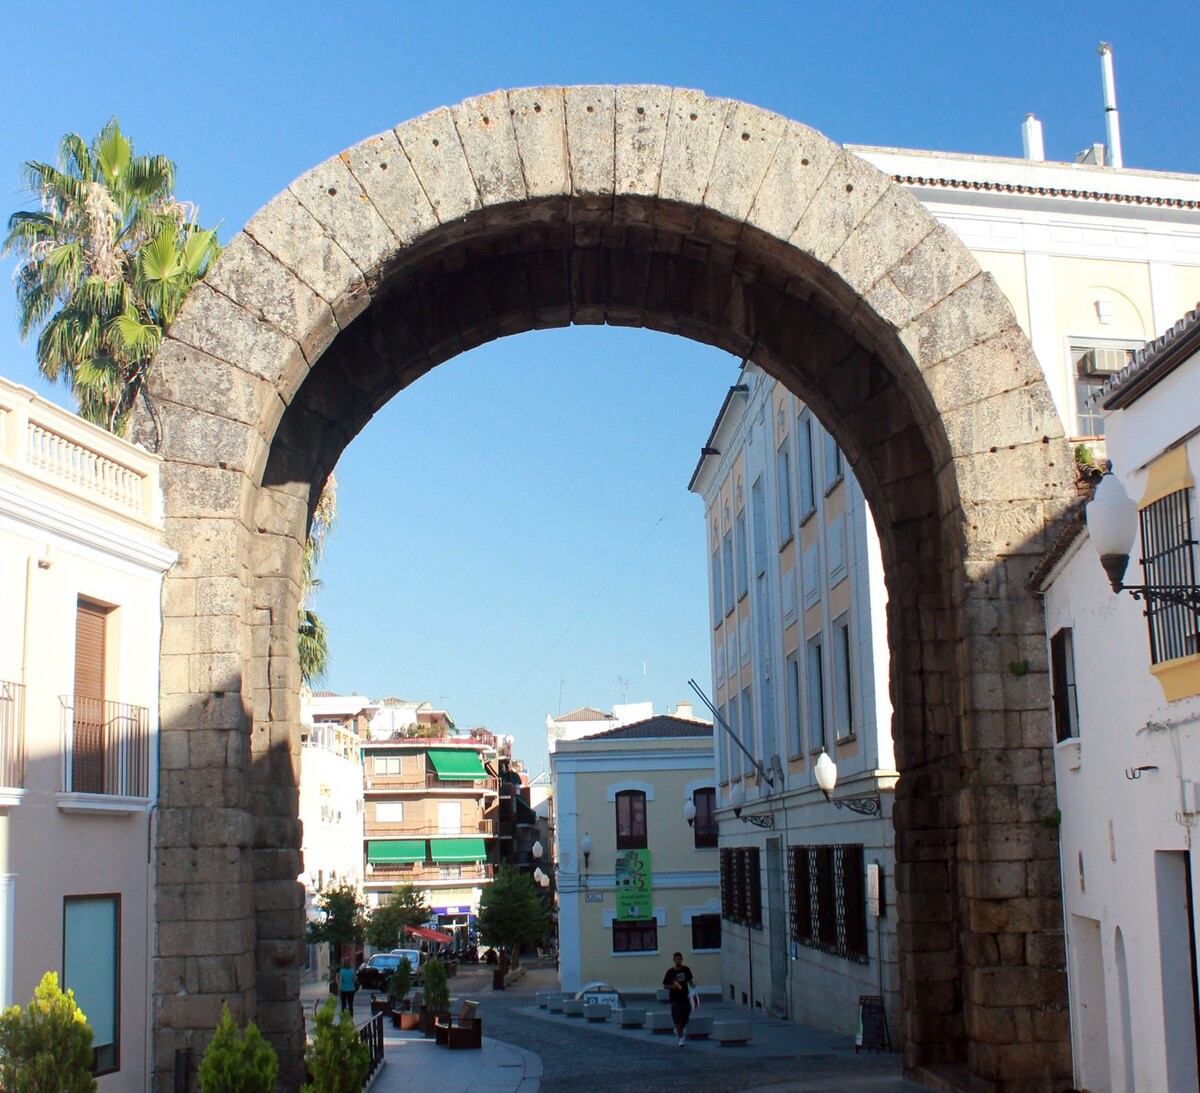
{"x":485,"y":128}
{"x":694,"y":130}
{"x":745,"y":150}
{"x":440,"y":164}
{"x":640,"y":121}
{"x":539,"y":124}
{"x":383,"y":171}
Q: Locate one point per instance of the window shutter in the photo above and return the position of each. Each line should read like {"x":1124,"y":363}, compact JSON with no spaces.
{"x":87,"y":752}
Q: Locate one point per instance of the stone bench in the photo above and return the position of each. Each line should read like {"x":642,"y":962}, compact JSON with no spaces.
{"x":698,"y":1028}
{"x":657,"y":1021}
{"x":662,"y":995}
{"x":729,"y":1033}
{"x":573,"y":1007}
{"x":597,"y":1011}
{"x":543,"y":998}
{"x":555,"y":1003}
{"x":631,"y":1018}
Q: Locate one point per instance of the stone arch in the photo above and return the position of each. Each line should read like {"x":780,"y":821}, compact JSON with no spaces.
{"x":643,"y":206}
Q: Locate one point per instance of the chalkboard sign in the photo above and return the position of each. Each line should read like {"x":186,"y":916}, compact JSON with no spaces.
{"x":872,"y":1032}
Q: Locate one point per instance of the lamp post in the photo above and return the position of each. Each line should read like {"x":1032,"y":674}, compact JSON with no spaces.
{"x":826,"y":773}
{"x":1112,"y":522}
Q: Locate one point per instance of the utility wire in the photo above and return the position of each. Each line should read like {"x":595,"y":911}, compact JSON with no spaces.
{"x":583,"y":611}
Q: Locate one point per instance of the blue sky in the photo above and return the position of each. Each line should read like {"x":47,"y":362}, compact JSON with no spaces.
{"x":516,"y":536}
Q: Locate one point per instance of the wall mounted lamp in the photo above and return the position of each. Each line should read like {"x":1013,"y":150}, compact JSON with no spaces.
{"x":737,"y":800}
{"x":585,"y":844}
{"x":825,"y":771}
{"x":537,"y":850}
{"x":689,"y":812}
{"x":1112,"y":522}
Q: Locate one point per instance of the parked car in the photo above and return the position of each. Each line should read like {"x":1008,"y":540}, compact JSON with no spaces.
{"x":416,"y":958}
{"x":373,"y":974}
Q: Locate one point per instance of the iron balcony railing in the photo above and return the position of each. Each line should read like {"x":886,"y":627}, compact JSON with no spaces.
{"x":105,"y":747}
{"x":426,"y":829}
{"x":12,"y":735}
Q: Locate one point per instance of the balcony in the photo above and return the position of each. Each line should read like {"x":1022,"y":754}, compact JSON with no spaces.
{"x":393,"y":874}
{"x":12,"y":743}
{"x":105,"y":756}
{"x":427,"y":829}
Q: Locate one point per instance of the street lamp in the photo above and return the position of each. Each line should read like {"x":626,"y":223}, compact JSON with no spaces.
{"x":689,"y":811}
{"x":826,"y":773}
{"x":537,"y":850}
{"x":737,"y":800}
{"x":585,"y":844}
{"x":1112,"y":519}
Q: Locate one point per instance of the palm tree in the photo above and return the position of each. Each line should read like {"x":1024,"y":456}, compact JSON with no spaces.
{"x":313,"y":640}
{"x":104,"y":266}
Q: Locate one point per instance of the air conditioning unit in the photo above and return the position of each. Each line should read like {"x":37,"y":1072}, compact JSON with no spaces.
{"x":1097,"y":363}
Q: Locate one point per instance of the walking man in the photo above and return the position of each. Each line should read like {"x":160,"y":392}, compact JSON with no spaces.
{"x":679,"y":982}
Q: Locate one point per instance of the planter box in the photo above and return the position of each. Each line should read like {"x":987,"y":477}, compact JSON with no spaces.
{"x":405,"y":1020}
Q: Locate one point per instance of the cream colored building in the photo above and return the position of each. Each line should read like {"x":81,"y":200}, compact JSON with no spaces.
{"x":1094,"y":261}
{"x":81,"y":568}
{"x":636,"y":881}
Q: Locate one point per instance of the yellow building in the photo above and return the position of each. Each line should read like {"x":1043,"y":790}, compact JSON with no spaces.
{"x":637,"y":876}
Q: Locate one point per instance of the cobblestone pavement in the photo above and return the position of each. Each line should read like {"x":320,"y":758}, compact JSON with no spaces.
{"x":781,"y":1057}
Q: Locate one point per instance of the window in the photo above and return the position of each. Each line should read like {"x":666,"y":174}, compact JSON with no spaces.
{"x":91,"y":969}
{"x":449,"y":872}
{"x":1062,"y":685}
{"x":635,"y":936}
{"x":706,"y":933}
{"x":808,"y":485}
{"x":449,"y":817}
{"x":747,"y":726}
{"x":759,"y":516}
{"x":387,"y":764}
{"x":792,"y":682}
{"x":743,"y":562}
{"x":631,"y":820}
{"x":737,"y":757}
{"x":718,"y":610}
{"x":389,"y":812}
{"x":87,"y":720}
{"x":1169,"y":561}
{"x":833,"y":462}
{"x":727,"y":551}
{"x":783,"y":466}
{"x":704,"y":829}
{"x":843,"y":680}
{"x":1093,"y":366}
{"x":815,"y":678}
{"x":741,"y":886}
{"x":827,"y":897}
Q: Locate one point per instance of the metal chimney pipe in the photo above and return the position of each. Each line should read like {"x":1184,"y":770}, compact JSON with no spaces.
{"x":1112,"y":121}
{"x":1031,"y":139}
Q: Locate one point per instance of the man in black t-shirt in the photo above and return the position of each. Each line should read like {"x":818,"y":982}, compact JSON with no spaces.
{"x":677,"y":980}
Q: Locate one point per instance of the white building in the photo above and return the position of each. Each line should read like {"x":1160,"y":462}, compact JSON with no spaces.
{"x":1095,"y":261}
{"x":587,"y":721}
{"x":81,"y":568}
{"x":1127,"y":723}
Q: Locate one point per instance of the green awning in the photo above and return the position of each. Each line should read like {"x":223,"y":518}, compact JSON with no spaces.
{"x":464,"y":849}
{"x":394,"y":851}
{"x":453,"y":763}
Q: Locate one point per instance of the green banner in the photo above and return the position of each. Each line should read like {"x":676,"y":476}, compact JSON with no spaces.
{"x":633,"y":885}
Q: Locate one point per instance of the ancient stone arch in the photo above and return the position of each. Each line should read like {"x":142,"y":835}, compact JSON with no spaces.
{"x":643,"y":206}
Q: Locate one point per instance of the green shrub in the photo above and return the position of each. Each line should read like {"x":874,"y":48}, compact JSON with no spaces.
{"x":48,"y":1048}
{"x":337,"y":1058}
{"x":437,"y":987}
{"x":238,"y":1063}
{"x":400,"y":981}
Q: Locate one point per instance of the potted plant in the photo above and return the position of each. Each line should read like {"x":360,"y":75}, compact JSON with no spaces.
{"x":437,"y":995}
{"x":398,"y":987}
{"x":236,"y":1060}
{"x":338,"y":1059}
{"x":48,"y":1045}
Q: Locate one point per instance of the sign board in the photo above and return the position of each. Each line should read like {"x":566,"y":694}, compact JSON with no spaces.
{"x":633,"y":885}
{"x":873,"y":890}
{"x":593,"y":897}
{"x":872,"y":1032}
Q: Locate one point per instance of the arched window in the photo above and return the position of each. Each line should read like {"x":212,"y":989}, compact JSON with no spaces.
{"x":631,"y":820}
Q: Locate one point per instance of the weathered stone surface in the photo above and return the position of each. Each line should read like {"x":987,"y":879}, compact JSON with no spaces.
{"x":667,"y":209}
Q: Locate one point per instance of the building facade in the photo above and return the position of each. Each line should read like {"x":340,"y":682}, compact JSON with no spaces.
{"x":1126,"y":682}
{"x":636,"y":881}
{"x":1094,"y":261}
{"x":81,"y":615}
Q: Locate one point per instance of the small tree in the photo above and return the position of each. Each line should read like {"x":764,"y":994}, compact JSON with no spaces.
{"x":400,"y":981}
{"x":437,"y":987}
{"x":510,"y":912}
{"x":404,"y":907}
{"x":237,"y":1062}
{"x":342,"y":917}
{"x":337,"y":1057}
{"x":49,"y":1046}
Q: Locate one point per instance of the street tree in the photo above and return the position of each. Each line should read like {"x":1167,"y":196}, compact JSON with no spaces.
{"x":510,"y":912}
{"x":405,"y":906}
{"x":104,"y":265}
{"x":313,"y":638}
{"x":343,"y":918}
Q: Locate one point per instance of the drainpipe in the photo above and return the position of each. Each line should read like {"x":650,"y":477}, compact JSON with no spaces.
{"x":1112,"y":122}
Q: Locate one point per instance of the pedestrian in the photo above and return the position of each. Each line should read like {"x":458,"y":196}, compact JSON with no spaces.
{"x":347,"y":985}
{"x":679,"y":982}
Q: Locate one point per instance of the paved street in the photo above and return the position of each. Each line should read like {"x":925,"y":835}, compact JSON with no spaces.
{"x":527,"y":1049}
